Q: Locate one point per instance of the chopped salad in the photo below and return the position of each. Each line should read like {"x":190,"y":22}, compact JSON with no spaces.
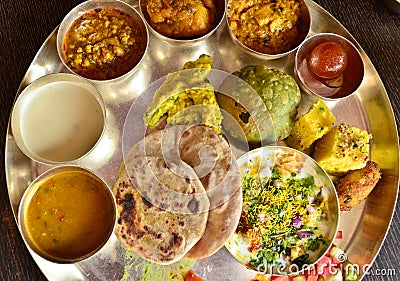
{"x":281,"y":219}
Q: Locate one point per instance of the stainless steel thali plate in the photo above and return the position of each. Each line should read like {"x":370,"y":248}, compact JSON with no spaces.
{"x":364,"y":228}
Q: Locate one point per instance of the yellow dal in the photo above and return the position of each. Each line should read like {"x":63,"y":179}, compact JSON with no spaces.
{"x":70,"y":215}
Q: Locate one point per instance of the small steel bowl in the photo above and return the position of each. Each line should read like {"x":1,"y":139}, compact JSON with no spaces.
{"x":58,"y":119}
{"x":303,"y":31}
{"x":285,"y":161}
{"x":94,"y":5}
{"x":219,"y":15}
{"x":317,"y":87}
{"x":49,"y":227}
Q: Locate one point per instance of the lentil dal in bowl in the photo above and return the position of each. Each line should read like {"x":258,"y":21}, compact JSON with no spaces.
{"x":102,"y":40}
{"x":290,"y":211}
{"x":268,"y":29}
{"x":67,"y":214}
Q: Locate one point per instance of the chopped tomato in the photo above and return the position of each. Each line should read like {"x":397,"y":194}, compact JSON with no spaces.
{"x":336,"y":261}
{"x":61,"y":217}
{"x":280,"y":278}
{"x":299,"y":278}
{"x":190,"y":276}
{"x":323,"y":266}
{"x":312,"y":278}
{"x":325,"y":274}
{"x":339,"y":235}
{"x":311,"y":271}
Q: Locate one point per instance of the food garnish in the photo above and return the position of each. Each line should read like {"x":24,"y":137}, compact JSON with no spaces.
{"x":281,"y":218}
{"x":191,"y":276}
{"x":333,"y":266}
{"x":342,"y":149}
{"x":135,"y":268}
{"x":104,"y":43}
{"x":260,"y":277}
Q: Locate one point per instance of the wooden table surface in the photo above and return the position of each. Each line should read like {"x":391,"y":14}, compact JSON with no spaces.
{"x":24,"y":25}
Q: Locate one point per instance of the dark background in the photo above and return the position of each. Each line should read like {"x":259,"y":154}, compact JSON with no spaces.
{"x":24,"y":26}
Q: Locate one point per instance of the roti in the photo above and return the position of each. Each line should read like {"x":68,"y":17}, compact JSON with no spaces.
{"x":162,"y":231}
{"x":167,"y":186}
{"x":212,"y":159}
{"x":192,"y":153}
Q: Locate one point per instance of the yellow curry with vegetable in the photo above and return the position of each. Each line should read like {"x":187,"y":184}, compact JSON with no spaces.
{"x":70,"y":215}
{"x":266,"y":26}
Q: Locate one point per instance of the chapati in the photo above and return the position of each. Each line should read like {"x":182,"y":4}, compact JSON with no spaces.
{"x":154,"y":232}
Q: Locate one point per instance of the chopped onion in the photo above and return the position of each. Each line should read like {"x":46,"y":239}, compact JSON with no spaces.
{"x":263,"y":217}
{"x":310,"y":209}
{"x":303,"y":234}
{"x":297,"y":221}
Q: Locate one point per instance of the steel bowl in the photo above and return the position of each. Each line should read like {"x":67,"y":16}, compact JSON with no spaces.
{"x":68,"y":133}
{"x":85,"y":241}
{"x":393,"y":5}
{"x":89,"y":6}
{"x":286,"y":161}
{"x":219,"y":14}
{"x":352,"y":77}
{"x":304,"y":27}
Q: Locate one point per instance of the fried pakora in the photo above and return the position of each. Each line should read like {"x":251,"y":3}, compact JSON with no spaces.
{"x":356,"y":185}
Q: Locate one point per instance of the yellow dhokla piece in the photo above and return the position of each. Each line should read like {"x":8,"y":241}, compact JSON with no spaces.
{"x":342,"y":149}
{"x":311,"y":126}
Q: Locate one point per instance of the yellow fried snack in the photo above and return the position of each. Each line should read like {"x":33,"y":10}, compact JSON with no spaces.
{"x":186,"y":97}
{"x":310,"y":127}
{"x":342,"y":149}
{"x":356,"y":185}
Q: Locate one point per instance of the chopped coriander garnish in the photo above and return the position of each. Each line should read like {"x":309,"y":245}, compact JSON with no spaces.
{"x":281,"y":218}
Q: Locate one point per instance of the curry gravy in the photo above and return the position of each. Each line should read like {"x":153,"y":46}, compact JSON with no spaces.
{"x":70,"y":215}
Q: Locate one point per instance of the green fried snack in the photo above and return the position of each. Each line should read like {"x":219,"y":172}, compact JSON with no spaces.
{"x":263,"y":102}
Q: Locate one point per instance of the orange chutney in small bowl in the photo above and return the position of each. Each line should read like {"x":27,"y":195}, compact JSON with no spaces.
{"x":67,"y":214}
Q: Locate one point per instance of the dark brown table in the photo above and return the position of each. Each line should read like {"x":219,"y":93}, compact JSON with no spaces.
{"x":24,"y":25}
